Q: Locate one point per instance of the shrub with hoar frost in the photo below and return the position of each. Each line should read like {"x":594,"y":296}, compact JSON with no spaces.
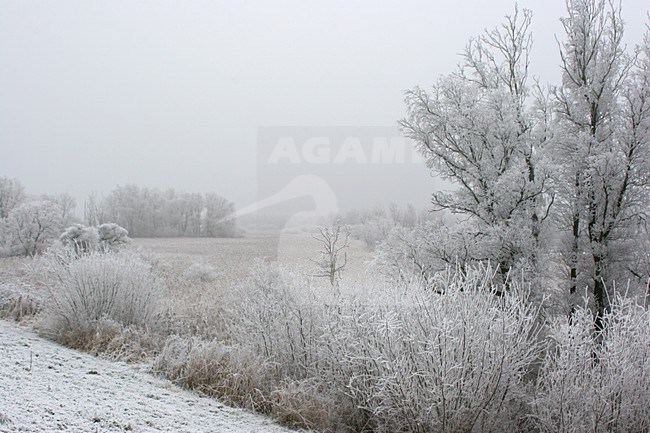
{"x":597,"y":381}
{"x":112,"y":236}
{"x":203,"y":272}
{"x":80,"y":238}
{"x":398,"y":360}
{"x":424,"y":362}
{"x":105,"y":237}
{"x":116,"y":285}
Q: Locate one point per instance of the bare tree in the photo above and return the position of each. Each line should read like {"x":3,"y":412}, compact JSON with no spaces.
{"x":333,"y":258}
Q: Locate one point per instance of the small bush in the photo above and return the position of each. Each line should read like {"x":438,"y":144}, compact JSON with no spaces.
{"x":112,"y":236}
{"x":117,"y":286}
{"x":202,"y":272}
{"x":105,"y":237}
{"x":80,"y":238}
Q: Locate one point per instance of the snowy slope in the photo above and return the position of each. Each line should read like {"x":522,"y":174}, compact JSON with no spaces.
{"x":45,"y":387}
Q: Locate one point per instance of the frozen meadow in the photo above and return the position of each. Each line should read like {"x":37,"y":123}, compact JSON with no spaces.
{"x":517,"y":301}
{"x":45,"y":387}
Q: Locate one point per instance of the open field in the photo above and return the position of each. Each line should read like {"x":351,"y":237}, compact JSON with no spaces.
{"x":231,"y":258}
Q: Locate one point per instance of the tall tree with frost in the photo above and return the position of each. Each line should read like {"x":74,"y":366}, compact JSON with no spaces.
{"x":601,"y":111}
{"x":475,"y":129}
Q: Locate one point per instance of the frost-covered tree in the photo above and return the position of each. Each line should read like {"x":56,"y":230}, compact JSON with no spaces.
{"x":94,"y":211}
{"x":215,"y":221}
{"x":66,"y":205}
{"x":12,"y":194}
{"x":126,"y":207}
{"x":602,"y":121}
{"x":334,"y":241}
{"x":32,"y":226}
{"x":476,"y":130}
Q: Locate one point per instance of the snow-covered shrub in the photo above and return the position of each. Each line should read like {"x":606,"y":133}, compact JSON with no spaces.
{"x":396,"y":360}
{"x":80,"y":238}
{"x":118,"y":285}
{"x":202,"y":272}
{"x":373,"y":232}
{"x":374,"y":225}
{"x":105,"y":237}
{"x":597,"y":381}
{"x":416,"y":255}
{"x":112,"y":236}
{"x":278,"y":313}
{"x":436,"y":363}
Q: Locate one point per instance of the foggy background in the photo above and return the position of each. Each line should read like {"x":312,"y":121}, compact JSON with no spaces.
{"x":173,"y":94}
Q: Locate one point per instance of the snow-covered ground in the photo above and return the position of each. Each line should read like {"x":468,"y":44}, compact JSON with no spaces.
{"x":45,"y":387}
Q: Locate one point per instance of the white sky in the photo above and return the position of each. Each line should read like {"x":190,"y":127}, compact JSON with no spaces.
{"x":171,"y":93}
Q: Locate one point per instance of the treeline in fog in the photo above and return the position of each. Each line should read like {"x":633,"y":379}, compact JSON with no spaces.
{"x":29,"y":224}
{"x":150,"y":212}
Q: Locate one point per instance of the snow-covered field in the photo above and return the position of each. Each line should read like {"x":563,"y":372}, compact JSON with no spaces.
{"x":233,"y":257}
{"x":45,"y":387}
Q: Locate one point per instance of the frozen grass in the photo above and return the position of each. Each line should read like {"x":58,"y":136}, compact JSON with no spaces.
{"x":18,"y":303}
{"x":232,"y":258}
{"x":21,"y":298}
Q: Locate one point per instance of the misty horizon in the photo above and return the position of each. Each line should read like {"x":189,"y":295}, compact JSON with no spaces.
{"x":175,"y":95}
